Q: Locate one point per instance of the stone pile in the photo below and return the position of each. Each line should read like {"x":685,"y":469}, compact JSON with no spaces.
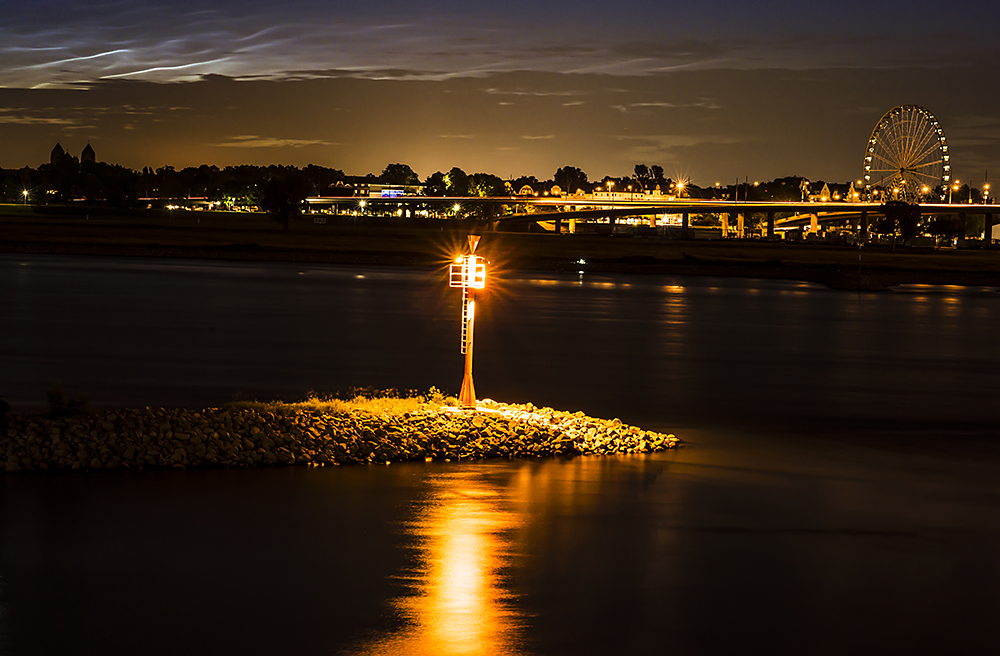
{"x":179,"y":438}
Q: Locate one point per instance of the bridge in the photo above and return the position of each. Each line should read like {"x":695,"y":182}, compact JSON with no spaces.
{"x":566,"y":211}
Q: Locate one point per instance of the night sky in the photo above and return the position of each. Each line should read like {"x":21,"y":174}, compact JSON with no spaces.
{"x":711,"y":91}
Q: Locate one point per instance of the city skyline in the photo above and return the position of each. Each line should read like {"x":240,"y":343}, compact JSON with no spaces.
{"x":710,"y":93}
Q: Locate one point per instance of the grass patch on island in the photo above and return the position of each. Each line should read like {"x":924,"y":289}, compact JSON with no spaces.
{"x":381,"y":402}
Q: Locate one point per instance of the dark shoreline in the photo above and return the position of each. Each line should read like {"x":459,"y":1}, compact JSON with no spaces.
{"x":381,"y":241}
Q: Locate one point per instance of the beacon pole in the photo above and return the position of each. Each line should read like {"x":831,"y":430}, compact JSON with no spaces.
{"x":469,"y":273}
{"x":467,"y":396}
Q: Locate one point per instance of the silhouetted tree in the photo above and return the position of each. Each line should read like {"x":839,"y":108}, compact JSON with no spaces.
{"x":457,"y":182}
{"x":900,"y":218}
{"x":398,"y":174}
{"x":486,"y":184}
{"x":284,"y":194}
{"x":570,"y":178}
{"x":947,"y":226}
{"x":643,"y":176}
{"x":435,"y":184}
{"x":658,"y":180}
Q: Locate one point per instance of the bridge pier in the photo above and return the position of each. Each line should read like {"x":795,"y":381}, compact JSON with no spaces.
{"x":770,"y":224}
{"x":741,"y":224}
{"x":559,"y":225}
{"x":961,"y":225}
{"x":987,"y":228}
{"x":863,"y":228}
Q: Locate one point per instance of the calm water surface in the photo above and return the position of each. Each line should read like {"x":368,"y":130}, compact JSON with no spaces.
{"x":839,"y":491}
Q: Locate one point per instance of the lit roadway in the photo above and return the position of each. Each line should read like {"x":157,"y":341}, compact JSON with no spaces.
{"x":586,"y":208}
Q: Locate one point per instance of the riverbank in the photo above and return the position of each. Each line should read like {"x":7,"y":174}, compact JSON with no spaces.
{"x":386,"y":241}
{"x":312,"y":434}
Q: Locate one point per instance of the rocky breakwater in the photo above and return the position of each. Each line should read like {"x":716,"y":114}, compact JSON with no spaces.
{"x":219,"y":437}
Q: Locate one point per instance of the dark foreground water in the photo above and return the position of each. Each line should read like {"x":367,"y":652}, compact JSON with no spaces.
{"x":840,"y":491}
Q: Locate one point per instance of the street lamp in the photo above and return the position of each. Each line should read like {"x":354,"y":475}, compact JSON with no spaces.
{"x":469,"y":273}
{"x":25,"y":194}
{"x":986,"y":192}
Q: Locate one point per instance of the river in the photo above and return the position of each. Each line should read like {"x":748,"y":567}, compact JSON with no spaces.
{"x":837,"y":490}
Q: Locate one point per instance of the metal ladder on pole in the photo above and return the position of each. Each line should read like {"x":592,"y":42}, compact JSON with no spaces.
{"x":465,"y":319}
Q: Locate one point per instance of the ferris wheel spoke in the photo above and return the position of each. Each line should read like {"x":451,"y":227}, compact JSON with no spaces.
{"x":918,"y":150}
{"x":917,"y":134}
{"x":891,"y":145}
{"x":906,"y":138}
{"x":917,"y":144}
{"x":882,"y":161}
{"x":907,"y":129}
{"x":887,"y":141}
{"x":926,"y":152}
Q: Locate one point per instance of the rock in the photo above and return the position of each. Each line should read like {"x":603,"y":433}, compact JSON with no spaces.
{"x":138,"y":438}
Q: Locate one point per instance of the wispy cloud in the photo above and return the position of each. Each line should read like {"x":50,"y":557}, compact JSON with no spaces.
{"x":37,"y":120}
{"x":523,"y":92}
{"x":704,"y":102}
{"x":254,"y":141}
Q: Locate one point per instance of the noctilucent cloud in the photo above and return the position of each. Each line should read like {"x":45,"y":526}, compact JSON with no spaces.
{"x":709,"y":90}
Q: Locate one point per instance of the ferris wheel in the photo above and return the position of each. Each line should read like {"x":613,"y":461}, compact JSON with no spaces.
{"x":907,"y":157}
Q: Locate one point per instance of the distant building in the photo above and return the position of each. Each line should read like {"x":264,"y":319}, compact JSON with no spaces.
{"x":57,"y":154}
{"x":853,"y":195}
{"x":88,"y":154}
{"x":823,"y":196}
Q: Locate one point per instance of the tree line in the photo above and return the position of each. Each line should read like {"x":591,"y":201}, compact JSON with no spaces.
{"x":67,"y":179}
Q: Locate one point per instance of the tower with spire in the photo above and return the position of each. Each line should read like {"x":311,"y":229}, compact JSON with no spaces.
{"x":57,"y":154}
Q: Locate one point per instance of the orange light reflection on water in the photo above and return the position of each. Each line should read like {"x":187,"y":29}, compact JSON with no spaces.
{"x":460,"y":605}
